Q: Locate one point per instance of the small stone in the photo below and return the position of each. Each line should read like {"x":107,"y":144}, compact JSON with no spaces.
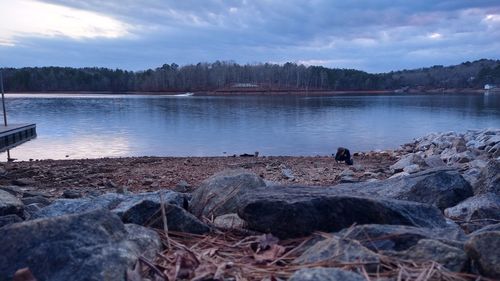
{"x":147,"y":181}
{"x":325,"y":274}
{"x":182,"y":186}
{"x":229,"y":221}
{"x":110,"y":184}
{"x":399,"y":175}
{"x":410,"y":169}
{"x":32,"y":193}
{"x":71,"y":194}
{"x":287,"y":173}
{"x":23,"y":182}
{"x":340,"y":250}
{"x":36,"y":199}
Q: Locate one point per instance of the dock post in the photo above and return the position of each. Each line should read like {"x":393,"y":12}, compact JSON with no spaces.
{"x":3,"y":100}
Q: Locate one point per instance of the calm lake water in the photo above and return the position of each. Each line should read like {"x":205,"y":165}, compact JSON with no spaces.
{"x":91,"y":126}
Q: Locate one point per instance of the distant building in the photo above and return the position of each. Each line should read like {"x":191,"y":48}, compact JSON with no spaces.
{"x":489,"y":86}
{"x":244,"y":85}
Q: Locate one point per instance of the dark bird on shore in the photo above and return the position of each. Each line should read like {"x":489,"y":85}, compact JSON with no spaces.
{"x":343,"y":154}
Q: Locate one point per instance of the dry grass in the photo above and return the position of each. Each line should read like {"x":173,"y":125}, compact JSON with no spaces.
{"x":237,"y":256}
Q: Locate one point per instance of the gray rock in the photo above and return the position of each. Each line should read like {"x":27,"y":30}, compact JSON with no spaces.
{"x":478,"y":163}
{"x":378,"y":237}
{"x":425,"y":250}
{"x":9,"y":219}
{"x":220,"y":194}
{"x":75,"y":206}
{"x":405,"y":161}
{"x":169,"y":197}
{"x":338,"y":250}
{"x":36,"y":199}
{"x":33,"y":193}
{"x":287,"y":173}
{"x":442,"y":188}
{"x":459,"y":144}
{"x":483,"y":250}
{"x":88,"y":246}
{"x":472,"y":175}
{"x":299,"y":211}
{"x":489,"y":180}
{"x":147,"y":212}
{"x":229,"y":221}
{"x":147,"y":240}
{"x":476,"y":212}
{"x":9,"y":204}
{"x":411,"y":169}
{"x":23,"y":182}
{"x":14,"y":190}
{"x":182,"y":186}
{"x":71,"y":194}
{"x":118,"y":203}
{"x":463,"y":157}
{"x":325,"y":274}
{"x":31,"y":209}
{"x":348,"y":179}
{"x":488,"y":228}
{"x":347,"y":173}
{"x":399,"y":175}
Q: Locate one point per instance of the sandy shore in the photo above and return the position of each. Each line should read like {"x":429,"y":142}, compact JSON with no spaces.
{"x":152,"y":173}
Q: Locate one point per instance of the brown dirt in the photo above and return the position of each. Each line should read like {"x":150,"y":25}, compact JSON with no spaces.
{"x":151,"y":173}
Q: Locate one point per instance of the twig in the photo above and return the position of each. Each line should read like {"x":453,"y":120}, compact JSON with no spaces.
{"x":164,"y":217}
{"x":152,"y":266}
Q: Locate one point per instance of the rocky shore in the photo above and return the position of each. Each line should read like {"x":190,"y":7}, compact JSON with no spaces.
{"x":429,"y":210}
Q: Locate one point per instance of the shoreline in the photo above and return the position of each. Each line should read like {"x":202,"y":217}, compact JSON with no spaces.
{"x":147,"y":173}
{"x":262,"y":93}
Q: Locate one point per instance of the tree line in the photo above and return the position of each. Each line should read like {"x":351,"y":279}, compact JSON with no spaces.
{"x":227,"y":75}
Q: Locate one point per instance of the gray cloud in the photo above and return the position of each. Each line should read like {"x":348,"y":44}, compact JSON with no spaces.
{"x":369,"y":35}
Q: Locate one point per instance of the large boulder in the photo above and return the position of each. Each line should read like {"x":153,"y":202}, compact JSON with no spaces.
{"x":377,"y":237}
{"x":118,"y":203}
{"x":477,"y":211}
{"x":89,"y":246}
{"x":483,"y":250}
{"x":425,"y":250}
{"x":299,"y":211}
{"x":489,"y":179}
{"x":221,"y":193}
{"x":441,"y":187}
{"x":9,"y":204}
{"x":325,"y":274}
{"x":338,"y":250}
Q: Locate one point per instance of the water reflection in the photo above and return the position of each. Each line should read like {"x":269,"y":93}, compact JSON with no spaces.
{"x":108,"y":126}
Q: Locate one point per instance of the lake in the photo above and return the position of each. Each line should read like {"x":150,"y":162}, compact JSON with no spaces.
{"x":92,"y":126}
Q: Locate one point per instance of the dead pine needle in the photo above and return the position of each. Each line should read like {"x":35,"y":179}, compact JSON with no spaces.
{"x":164,"y":217}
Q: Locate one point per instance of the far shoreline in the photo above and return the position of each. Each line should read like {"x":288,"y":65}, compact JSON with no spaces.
{"x":263,"y":93}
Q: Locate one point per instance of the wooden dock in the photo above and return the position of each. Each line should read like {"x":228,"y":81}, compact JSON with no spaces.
{"x":15,"y":134}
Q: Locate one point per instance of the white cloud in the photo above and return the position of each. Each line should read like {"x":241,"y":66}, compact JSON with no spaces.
{"x":435,"y":35}
{"x":28,"y":18}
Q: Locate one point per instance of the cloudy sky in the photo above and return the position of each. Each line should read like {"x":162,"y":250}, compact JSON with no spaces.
{"x":370,"y":35}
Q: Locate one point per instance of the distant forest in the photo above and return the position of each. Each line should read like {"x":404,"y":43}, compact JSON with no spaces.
{"x":220,"y":76}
